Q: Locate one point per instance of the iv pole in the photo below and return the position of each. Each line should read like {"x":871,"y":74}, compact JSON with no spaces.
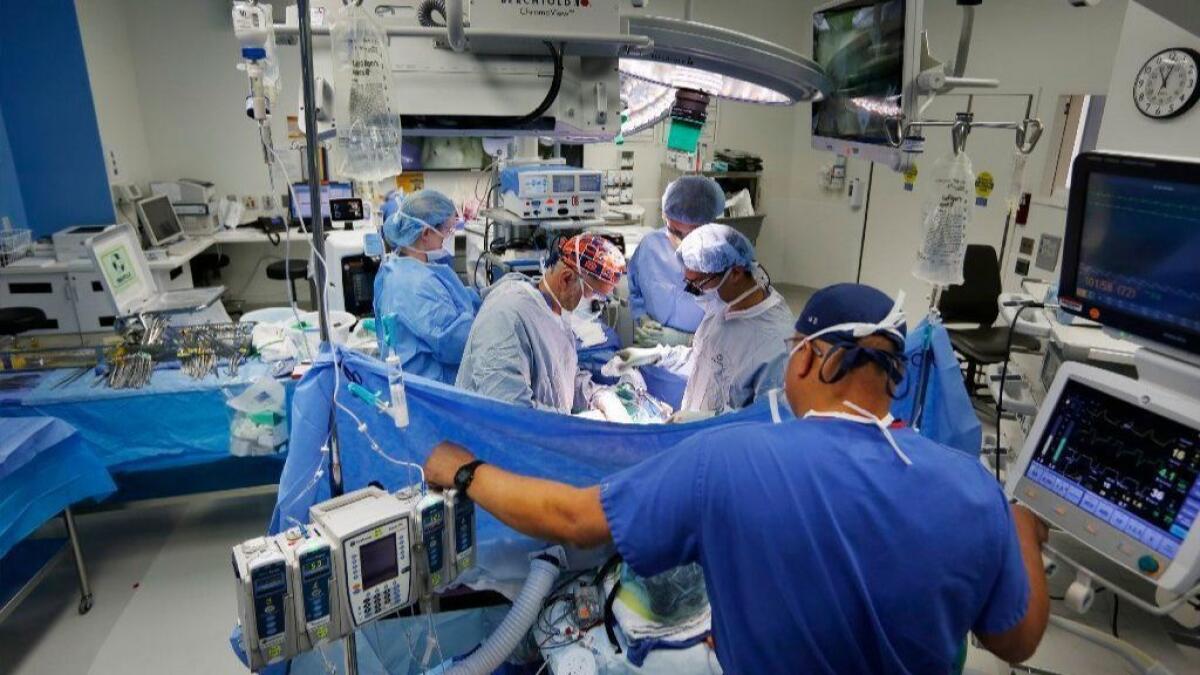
{"x":312,"y":149}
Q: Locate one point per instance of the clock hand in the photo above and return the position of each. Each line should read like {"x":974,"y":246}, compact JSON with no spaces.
{"x":1167,"y":76}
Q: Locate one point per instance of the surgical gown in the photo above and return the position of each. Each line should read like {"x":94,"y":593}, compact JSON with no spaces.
{"x":730,"y":355}
{"x":520,"y":351}
{"x":656,"y":285}
{"x":427,"y":313}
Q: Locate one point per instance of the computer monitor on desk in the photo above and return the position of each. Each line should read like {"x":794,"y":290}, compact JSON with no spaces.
{"x":1111,"y":460}
{"x":159,"y":221}
{"x":301,"y":201}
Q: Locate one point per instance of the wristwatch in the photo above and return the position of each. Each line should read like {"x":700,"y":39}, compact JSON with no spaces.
{"x":466,"y":475}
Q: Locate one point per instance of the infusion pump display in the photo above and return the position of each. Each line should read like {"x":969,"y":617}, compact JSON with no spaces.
{"x":1113,"y":462}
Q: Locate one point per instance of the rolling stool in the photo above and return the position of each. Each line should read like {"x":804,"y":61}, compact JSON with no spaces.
{"x":206,"y":268}
{"x":298,"y":269}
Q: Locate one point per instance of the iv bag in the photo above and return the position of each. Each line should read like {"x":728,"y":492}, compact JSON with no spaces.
{"x":368,"y":130}
{"x":944,"y":222}
{"x":1016,"y":182}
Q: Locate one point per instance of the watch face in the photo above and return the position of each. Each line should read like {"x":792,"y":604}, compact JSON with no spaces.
{"x":1166,"y":86}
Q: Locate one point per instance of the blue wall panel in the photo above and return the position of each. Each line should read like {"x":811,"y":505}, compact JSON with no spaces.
{"x":11,"y":204}
{"x":51,"y":121}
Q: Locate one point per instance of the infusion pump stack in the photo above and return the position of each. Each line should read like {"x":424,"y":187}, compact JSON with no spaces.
{"x":1111,"y":462}
{"x":366,"y":555}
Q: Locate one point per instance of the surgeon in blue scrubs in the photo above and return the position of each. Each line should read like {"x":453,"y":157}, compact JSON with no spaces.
{"x":663,"y":313}
{"x":836,"y":542}
{"x":423,"y":311}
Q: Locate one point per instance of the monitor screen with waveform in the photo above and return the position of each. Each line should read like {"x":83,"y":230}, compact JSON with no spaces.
{"x":1129,"y":467}
{"x":1140,"y":248}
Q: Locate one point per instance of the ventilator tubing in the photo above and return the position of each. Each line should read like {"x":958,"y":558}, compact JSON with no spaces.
{"x":492,"y":653}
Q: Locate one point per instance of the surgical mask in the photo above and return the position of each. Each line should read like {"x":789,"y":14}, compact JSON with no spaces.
{"x":855,"y":354}
{"x":589,"y":308}
{"x":865,"y":417}
{"x":433,"y":254}
{"x":712,"y":302}
{"x":439,"y":256}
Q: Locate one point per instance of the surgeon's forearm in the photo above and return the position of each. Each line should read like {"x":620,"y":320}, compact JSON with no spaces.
{"x":542,"y":509}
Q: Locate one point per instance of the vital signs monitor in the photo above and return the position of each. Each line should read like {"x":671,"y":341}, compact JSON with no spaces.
{"x":1115,"y":463}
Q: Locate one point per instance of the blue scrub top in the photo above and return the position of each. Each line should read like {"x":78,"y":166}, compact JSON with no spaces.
{"x":428,"y":314}
{"x":822,"y":551}
{"x":656,"y":285}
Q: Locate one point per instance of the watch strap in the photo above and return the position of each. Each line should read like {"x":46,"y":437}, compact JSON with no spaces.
{"x":466,"y":475}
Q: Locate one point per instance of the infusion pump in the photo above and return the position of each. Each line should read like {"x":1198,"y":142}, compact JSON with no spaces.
{"x":366,"y":555}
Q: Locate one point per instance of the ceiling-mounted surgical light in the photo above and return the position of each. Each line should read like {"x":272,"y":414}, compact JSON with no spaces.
{"x":722,"y":63}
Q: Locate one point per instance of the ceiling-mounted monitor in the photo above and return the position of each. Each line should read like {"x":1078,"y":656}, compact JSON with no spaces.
{"x":870,"y":52}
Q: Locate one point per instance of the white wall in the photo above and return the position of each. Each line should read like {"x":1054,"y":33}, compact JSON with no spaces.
{"x":109,"y":52}
{"x":1124,"y":129}
{"x":1041,"y":47}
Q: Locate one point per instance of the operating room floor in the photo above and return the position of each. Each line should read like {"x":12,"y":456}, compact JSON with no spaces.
{"x":163,"y":591}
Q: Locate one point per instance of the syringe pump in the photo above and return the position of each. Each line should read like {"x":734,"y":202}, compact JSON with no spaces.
{"x":460,"y":513}
{"x":264,"y":602}
{"x":315,"y":592}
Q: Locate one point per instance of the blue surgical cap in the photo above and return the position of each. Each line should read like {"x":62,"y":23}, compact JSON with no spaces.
{"x":694,"y":200}
{"x":391,"y":204}
{"x":842,"y":304}
{"x":425,"y":207}
{"x":714,"y":248}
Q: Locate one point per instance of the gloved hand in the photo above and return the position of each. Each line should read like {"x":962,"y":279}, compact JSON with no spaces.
{"x":629,"y":358}
{"x":650,"y":333}
{"x":685,"y":416}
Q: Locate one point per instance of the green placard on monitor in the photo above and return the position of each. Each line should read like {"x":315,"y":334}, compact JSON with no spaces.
{"x":118,"y":268}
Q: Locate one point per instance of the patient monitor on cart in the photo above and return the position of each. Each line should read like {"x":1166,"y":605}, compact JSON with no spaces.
{"x":1112,"y":461}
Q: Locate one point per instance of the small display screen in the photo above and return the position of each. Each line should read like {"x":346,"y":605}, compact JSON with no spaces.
{"x":379,"y":561}
{"x":302,"y":202}
{"x":1158,"y":221}
{"x":536,"y":185}
{"x":564,"y":184}
{"x":1127,"y":466}
{"x":161,"y":220}
{"x":861,"y":47}
{"x":317,"y":562}
{"x":590,"y":182}
{"x":270,"y":579}
{"x":346,"y":209}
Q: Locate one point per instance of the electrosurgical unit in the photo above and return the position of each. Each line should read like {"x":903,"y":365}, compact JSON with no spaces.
{"x":369,"y":532}
{"x":551,"y":191}
{"x":264,"y":606}
{"x":315,"y":592}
